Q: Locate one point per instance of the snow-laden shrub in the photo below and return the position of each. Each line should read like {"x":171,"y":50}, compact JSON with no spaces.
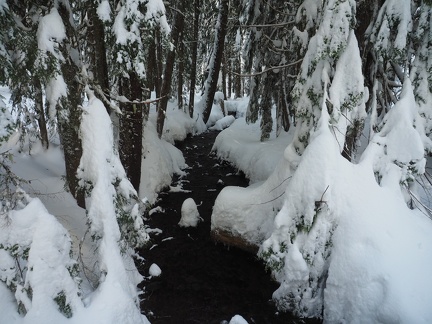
{"x":299,"y":248}
{"x":113,"y":210}
{"x":35,"y":261}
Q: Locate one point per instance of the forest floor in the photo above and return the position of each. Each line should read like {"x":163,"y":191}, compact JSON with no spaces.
{"x":202,"y":281}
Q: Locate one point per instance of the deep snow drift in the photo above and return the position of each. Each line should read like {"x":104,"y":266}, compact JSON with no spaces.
{"x":332,"y":235}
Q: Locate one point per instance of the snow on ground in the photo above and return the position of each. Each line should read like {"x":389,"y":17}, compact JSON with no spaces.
{"x":262,"y":163}
{"x":44,"y":172}
{"x":381,"y":251}
{"x":240,"y":144}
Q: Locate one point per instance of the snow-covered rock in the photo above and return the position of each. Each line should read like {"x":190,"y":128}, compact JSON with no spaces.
{"x":154,"y":270}
{"x":237,"y":319}
{"x":223,"y":123}
{"x":189,"y":214}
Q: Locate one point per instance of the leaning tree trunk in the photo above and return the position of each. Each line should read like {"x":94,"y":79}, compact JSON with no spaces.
{"x":131,"y":128}
{"x":216,"y":60}
{"x":69,"y":113}
{"x":167,"y":80}
{"x":194,"y":58}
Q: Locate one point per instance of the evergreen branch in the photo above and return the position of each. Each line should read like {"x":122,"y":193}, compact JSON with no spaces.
{"x":281,"y":183}
{"x":263,"y":203}
{"x":427,"y":209}
{"x":268,"y":25}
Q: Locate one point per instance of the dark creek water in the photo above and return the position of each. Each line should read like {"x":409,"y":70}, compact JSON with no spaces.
{"x":201,"y":281}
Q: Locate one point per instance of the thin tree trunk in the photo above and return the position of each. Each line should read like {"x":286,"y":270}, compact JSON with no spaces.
{"x":180,"y":72}
{"x":216,"y":60}
{"x":230,"y":80}
{"x":39,"y":107}
{"x":131,"y":127}
{"x":98,"y":53}
{"x":224,"y":76}
{"x":237,"y":78}
{"x":194,"y":58}
{"x":169,"y":66}
{"x":159,"y":69}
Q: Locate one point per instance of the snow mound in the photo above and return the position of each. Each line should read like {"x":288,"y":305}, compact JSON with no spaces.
{"x":161,"y":160}
{"x":237,"y":319}
{"x":189,"y":214}
{"x":240,"y":144}
{"x":154,"y":270}
{"x":223,"y":123}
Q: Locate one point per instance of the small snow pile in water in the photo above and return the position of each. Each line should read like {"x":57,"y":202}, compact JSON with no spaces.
{"x":189,"y":214}
{"x":237,"y":319}
{"x":154,"y":270}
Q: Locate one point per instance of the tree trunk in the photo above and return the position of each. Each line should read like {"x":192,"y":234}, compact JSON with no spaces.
{"x":159,"y":69}
{"x":216,"y":60}
{"x":97,"y":55}
{"x":230,"y":79}
{"x":69,"y":113}
{"x":39,"y":108}
{"x":194,"y":58}
{"x":224,"y":76}
{"x":167,"y":80}
{"x":237,"y":78}
{"x":131,"y":128}
{"x":151,"y":79}
{"x":180,"y":71}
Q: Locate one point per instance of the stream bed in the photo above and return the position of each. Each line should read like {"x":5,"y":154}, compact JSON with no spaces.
{"x":203,"y":281}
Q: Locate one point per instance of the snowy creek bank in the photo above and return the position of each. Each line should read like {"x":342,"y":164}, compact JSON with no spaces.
{"x":201,"y":281}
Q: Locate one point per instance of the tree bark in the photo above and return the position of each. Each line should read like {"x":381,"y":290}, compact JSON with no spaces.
{"x":194,"y":58}
{"x":69,"y":114}
{"x":39,"y":108}
{"x":151,"y":67}
{"x":224,"y":76}
{"x":98,"y":59}
{"x":159,"y":68}
{"x":131,"y":128}
{"x":237,"y":78}
{"x":180,"y":71}
{"x":169,"y":66}
{"x":215,"y":63}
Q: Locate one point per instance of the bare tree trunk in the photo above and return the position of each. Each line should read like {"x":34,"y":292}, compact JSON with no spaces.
{"x":159,"y":69}
{"x":230,"y":80}
{"x":152,"y":77}
{"x":194,"y":58}
{"x":70,"y":114}
{"x":39,"y":108}
{"x":131,"y":127}
{"x":98,"y":53}
{"x":169,"y":66}
{"x":224,"y":76}
{"x":216,"y":60}
{"x":180,"y":71}
{"x":237,"y":78}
